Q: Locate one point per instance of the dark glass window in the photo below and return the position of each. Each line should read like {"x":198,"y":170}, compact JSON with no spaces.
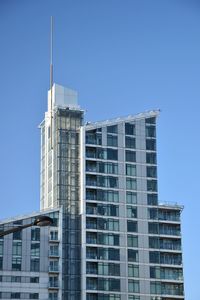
{"x":132,"y":241}
{"x":154,"y":242}
{"x":152,"y":199}
{"x":132,"y":255}
{"x":133,"y":286}
{"x":112,"y":154}
{"x":15,"y":278}
{"x":153,"y":213}
{"x":1,"y":263}
{"x":33,"y":296}
{"x":151,"y":158}
{"x":150,"y":131}
{"x":130,"y":156}
{"x":129,"y":142}
{"x":151,"y":171}
{"x":35,"y":234}
{"x":129,"y":129}
{"x":151,"y":144}
{"x":34,"y":279}
{"x":154,"y":257}
{"x":15,"y":296}
{"x":152,"y":185}
{"x":131,"y":212}
{"x":130,"y":170}
{"x":131,"y":198}
{"x":35,"y":249}
{"x":35,"y":265}
{"x":153,"y":228}
{"x":16,"y":263}
{"x":112,"y":129}
{"x":131,"y":226}
{"x":112,"y":140}
{"x":151,"y":120}
{"x":92,"y":137}
{"x":113,"y":254}
{"x":17,"y":235}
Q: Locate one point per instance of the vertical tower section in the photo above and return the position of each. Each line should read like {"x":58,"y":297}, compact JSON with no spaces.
{"x":60,"y":177}
{"x":131,"y":243}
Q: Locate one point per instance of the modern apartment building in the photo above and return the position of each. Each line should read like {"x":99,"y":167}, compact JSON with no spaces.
{"x":117,"y":242}
{"x":31,"y":259}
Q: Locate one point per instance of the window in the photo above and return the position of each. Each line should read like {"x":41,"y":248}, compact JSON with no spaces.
{"x":92,"y":137}
{"x":170,"y":258}
{"x":112,"y":129}
{"x":35,"y":249}
{"x":130,"y":156}
{"x":131,"y":212}
{"x":170,"y":273}
{"x":35,"y":265}
{"x":151,"y":120}
{"x":151,"y":158}
{"x":133,"y":297}
{"x":153,"y":228}
{"x":133,"y":286}
{"x":131,"y":198}
{"x":154,"y":242}
{"x":154,"y":257}
{"x":15,"y":296}
{"x":33,"y":296}
{"x":150,"y":131}
{"x":35,"y":234}
{"x":172,"y":289}
{"x":129,"y":129}
{"x":155,"y":272}
{"x":53,"y":281}
{"x":54,"y":250}
{"x":112,"y":154}
{"x":108,"y":239}
{"x":99,"y":268}
{"x":151,"y":171}
{"x":155,"y":287}
{"x":53,"y":265}
{"x":101,"y":209}
{"x":54,"y":235}
{"x":152,"y":185}
{"x":133,"y":271}
{"x":131,"y":184}
{"x":131,"y":226}
{"x":16,"y":263}
{"x":129,"y":142}
{"x":130,"y":170}
{"x":1,"y":262}
{"x":152,"y":199}
{"x":53,"y":296}
{"x":151,"y":144}
{"x":132,"y":241}
{"x":153,"y":213}
{"x":132,"y":255}
{"x":112,"y":140}
{"x":17,"y":235}
{"x":34,"y":279}
{"x":102,"y":195}
{"x":1,"y":247}
{"x":15,"y":278}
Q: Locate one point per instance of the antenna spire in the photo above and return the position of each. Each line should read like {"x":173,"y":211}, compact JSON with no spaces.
{"x":51,"y":80}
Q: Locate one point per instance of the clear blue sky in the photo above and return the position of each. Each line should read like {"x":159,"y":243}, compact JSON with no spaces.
{"x":123,"y":57}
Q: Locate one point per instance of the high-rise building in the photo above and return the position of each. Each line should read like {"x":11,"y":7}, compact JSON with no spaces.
{"x":116,"y":241}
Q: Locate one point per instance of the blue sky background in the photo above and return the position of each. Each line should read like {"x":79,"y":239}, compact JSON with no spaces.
{"x":123,"y":57}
